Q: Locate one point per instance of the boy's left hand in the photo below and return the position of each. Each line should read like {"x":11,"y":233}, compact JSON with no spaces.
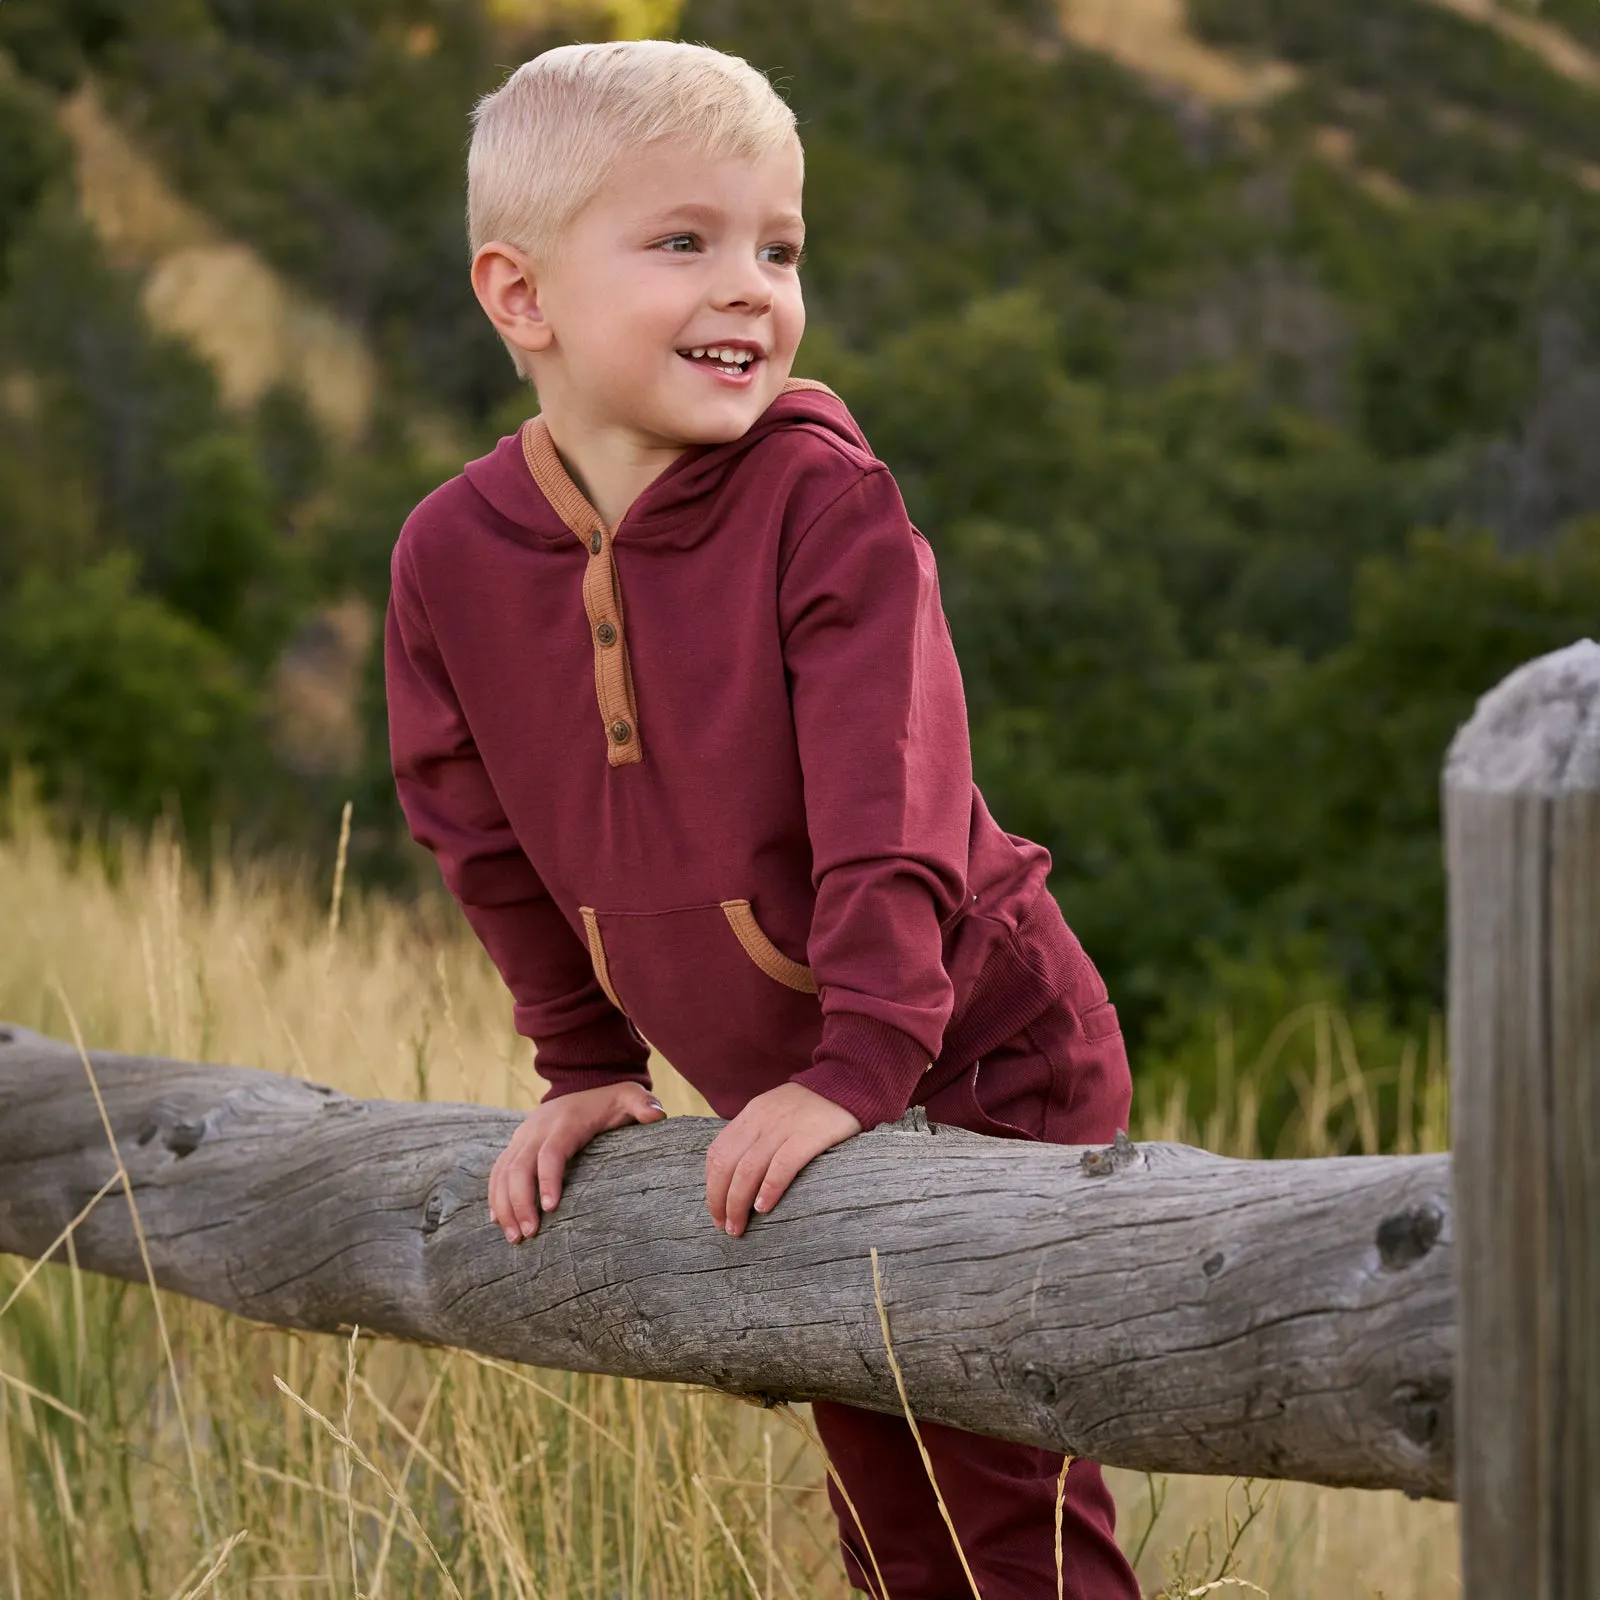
{"x":755,"y":1158}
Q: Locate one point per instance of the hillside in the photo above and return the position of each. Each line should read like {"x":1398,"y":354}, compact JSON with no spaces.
{"x":1242,"y":361}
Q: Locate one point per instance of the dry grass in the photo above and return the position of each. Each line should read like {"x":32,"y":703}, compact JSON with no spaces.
{"x":367,"y":1468}
{"x":1553,"y":45}
{"x":1153,"y":37}
{"x":216,"y":293}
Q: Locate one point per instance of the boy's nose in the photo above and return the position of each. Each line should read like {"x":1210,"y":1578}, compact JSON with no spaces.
{"x":742,"y":287}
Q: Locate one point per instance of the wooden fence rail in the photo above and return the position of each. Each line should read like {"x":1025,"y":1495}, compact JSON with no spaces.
{"x":1151,"y":1306}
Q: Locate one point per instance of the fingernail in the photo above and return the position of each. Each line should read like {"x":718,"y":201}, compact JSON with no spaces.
{"x":761,"y":1205}
{"x":511,"y":1235}
{"x":548,"y":1201}
{"x":733,"y":1231}
{"x":527,"y":1230}
{"x":656,"y":1105}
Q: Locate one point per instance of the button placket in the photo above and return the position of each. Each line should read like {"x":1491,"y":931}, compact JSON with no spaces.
{"x":613,"y":681}
{"x":602,"y":595}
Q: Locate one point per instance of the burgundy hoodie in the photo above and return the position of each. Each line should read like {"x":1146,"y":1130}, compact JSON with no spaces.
{"x":704,"y":779}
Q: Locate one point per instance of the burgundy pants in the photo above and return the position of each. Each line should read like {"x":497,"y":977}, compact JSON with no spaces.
{"x":1064,"y":1079}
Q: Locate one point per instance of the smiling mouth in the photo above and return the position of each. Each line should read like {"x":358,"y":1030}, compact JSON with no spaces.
{"x":729,"y":360}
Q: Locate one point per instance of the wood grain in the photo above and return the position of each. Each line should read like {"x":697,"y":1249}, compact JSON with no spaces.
{"x":1150,"y":1306}
{"x":1522,"y":809}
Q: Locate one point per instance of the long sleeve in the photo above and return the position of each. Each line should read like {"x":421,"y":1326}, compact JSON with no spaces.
{"x":881,"y":722}
{"x":450,"y":805}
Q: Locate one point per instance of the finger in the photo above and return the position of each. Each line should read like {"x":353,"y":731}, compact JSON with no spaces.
{"x":635,"y":1104}
{"x":722,"y":1159}
{"x":747,"y":1180}
{"x":650,"y":1110}
{"x":523,"y":1219}
{"x":499,"y":1203}
{"x":551,"y":1170}
{"x":787,"y":1162}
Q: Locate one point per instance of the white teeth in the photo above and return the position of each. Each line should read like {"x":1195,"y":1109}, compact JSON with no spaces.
{"x":725,"y":354}
{"x":733,"y":363}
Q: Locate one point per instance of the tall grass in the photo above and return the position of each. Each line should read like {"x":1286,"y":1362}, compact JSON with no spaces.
{"x":257,"y":1462}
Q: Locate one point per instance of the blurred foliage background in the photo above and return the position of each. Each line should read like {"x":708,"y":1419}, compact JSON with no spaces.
{"x":1242,"y":364}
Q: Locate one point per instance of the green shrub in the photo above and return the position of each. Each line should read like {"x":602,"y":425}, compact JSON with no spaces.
{"x":121,"y":705}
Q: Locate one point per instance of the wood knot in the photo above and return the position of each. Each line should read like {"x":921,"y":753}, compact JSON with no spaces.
{"x":1040,"y":1385}
{"x":1121,"y":1152}
{"x":7,"y":1035}
{"x":440,"y":1208}
{"x":1422,"y":1412}
{"x":183,"y":1138}
{"x":1407,"y":1236}
{"x":1213,"y":1263}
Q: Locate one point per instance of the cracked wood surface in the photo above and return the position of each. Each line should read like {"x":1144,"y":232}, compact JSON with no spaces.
{"x":1151,"y":1306}
{"x":1522,"y":813}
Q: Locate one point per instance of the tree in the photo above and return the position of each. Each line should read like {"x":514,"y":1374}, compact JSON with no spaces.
{"x":121,"y":706}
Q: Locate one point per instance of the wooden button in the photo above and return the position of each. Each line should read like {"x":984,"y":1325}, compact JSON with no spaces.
{"x":621,"y":731}
{"x":596,"y":539}
{"x":606,"y":634}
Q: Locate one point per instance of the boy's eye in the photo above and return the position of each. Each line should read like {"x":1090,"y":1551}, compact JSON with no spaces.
{"x":682,"y":244}
{"x":783,"y":255}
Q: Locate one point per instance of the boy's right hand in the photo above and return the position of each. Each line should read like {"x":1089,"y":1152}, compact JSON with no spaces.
{"x":549,"y":1137}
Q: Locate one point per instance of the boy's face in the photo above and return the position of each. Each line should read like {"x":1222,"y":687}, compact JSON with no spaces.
{"x":678,"y":254}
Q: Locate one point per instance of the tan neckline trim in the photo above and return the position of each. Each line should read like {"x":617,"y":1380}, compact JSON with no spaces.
{"x":602,"y":595}
{"x":602,"y":589}
{"x":555,"y":482}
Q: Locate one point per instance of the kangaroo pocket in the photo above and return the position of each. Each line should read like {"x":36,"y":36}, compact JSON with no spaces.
{"x":709,"y":990}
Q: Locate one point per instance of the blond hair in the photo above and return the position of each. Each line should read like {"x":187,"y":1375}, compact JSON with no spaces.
{"x":545,"y":141}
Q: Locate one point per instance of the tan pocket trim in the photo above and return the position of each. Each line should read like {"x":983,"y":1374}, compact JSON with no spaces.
{"x":762,"y":951}
{"x":597,"y":955}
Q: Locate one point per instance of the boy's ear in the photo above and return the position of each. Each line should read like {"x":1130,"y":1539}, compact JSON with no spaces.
{"x":507,"y":287}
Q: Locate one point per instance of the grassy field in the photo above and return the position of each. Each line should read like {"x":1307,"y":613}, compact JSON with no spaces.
{"x":154,"y":1447}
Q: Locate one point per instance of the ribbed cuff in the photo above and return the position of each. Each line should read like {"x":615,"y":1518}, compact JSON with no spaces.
{"x":589,"y":1078}
{"x":865,"y":1066}
{"x":595,"y":1056}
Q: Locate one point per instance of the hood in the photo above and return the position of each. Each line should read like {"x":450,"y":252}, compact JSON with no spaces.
{"x":503,"y":479}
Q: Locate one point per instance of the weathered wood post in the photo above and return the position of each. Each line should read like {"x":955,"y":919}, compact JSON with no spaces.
{"x":1522,"y":826}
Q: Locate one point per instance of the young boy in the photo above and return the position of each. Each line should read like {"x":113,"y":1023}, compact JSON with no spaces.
{"x":673,"y":702}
